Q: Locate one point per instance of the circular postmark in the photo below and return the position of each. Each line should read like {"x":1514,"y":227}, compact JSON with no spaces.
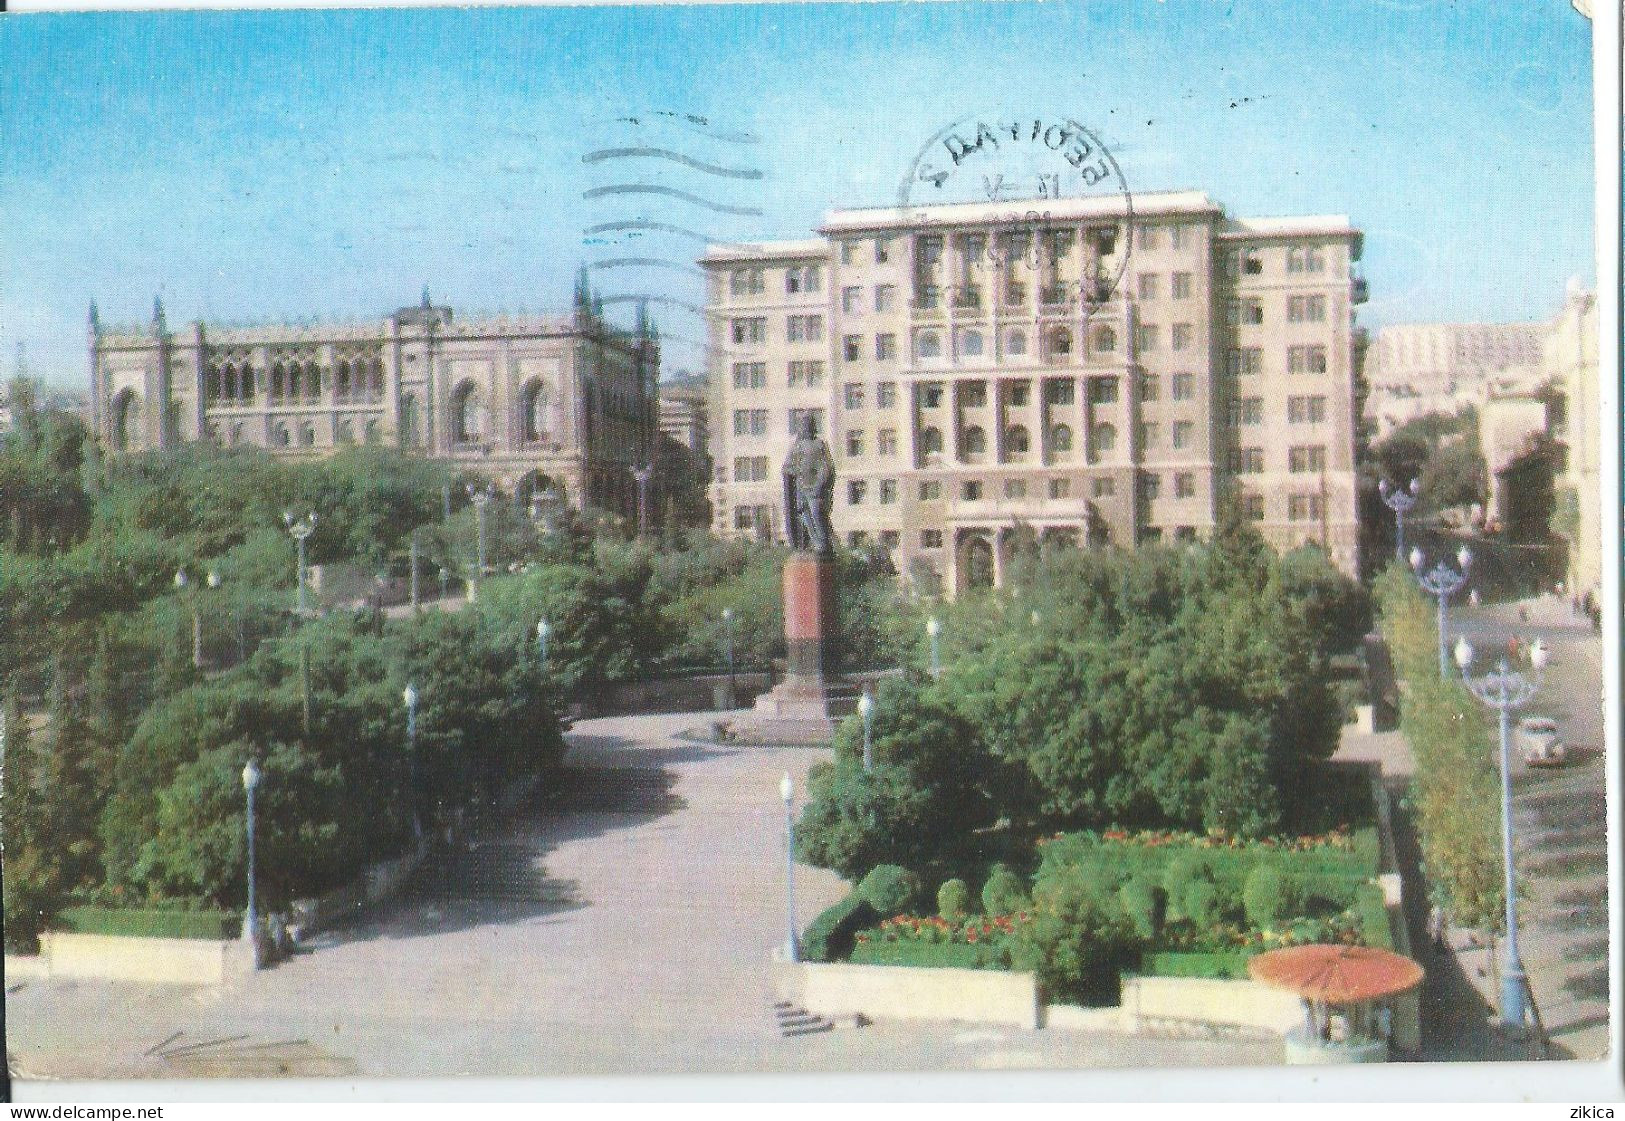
{"x":1024,"y":167}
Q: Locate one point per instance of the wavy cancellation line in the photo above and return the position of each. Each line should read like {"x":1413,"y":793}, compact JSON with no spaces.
{"x":670,"y":192}
{"x":645,"y":262}
{"x":693,"y":123}
{"x":646,"y":224}
{"x":603,"y":154}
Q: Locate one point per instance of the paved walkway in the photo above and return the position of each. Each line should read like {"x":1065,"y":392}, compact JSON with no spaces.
{"x":621,"y":926}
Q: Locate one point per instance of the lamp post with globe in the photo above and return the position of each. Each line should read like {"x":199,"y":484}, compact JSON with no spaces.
{"x":251,"y":923}
{"x":1442,"y":582}
{"x":1400,"y":500}
{"x":787,"y":792}
{"x":933,"y":630}
{"x":1506,"y":690}
{"x":866,"y":709}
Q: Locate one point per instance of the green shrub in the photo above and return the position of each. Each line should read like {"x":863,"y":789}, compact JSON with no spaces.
{"x":953,"y":897}
{"x":1201,"y":903}
{"x":1077,"y":947}
{"x":890,"y":890}
{"x":833,"y":933}
{"x":150,"y":923}
{"x":1005,"y":893}
{"x":1231,"y":965}
{"x":1269,"y":897}
{"x":1371,"y":912}
{"x":1142,"y":904}
{"x":1183,"y":870}
{"x":944,"y":955}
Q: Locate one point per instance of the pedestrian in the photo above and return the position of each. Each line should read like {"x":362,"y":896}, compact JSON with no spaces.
{"x":1436,"y":928}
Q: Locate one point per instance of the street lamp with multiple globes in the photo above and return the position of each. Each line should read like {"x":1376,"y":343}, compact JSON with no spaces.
{"x":481,"y":497}
{"x":1442,"y":582}
{"x":1400,"y":501}
{"x":1506,"y":691}
{"x":866,"y":709}
{"x":251,"y":782}
{"x":301,"y":529}
{"x":933,"y":630}
{"x":787,"y":792}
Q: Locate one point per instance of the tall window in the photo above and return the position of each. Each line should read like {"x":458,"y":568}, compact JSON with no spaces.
{"x":749,"y":332}
{"x":974,"y":440}
{"x":1184,"y":386}
{"x":745,"y":282}
{"x":804,"y":328}
{"x":750,"y":375}
{"x":928,"y":345}
{"x":1181,"y":286}
{"x":1016,"y":440}
{"x":409,"y":421}
{"x":534,"y":400}
{"x":467,"y":414}
{"x":806,"y":278}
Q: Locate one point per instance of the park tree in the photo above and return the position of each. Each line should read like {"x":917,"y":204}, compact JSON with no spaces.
{"x":930,"y":789}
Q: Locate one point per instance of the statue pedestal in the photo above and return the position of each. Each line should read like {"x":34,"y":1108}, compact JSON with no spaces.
{"x":811,"y":700}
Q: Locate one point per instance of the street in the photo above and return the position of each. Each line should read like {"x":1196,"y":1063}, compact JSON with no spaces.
{"x":1560,"y":823}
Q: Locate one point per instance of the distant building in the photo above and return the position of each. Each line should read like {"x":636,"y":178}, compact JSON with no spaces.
{"x":1554,"y":410}
{"x":974,"y":376}
{"x":683,"y":417}
{"x":1414,"y":369}
{"x":512,"y":397}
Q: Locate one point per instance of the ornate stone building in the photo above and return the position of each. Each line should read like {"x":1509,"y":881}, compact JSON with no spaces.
{"x":568,"y":396}
{"x":1095,"y":376}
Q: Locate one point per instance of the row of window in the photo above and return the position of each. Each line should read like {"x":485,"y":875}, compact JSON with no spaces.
{"x":1299,"y":259}
{"x":1300,"y":460}
{"x":797,"y":280}
{"x":1150,"y":286}
{"x":1309,"y":359}
{"x":1249,"y":411}
{"x":1249,"y":312}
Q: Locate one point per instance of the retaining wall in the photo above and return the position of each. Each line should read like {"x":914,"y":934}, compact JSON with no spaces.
{"x":981,"y":996}
{"x":175,"y":961}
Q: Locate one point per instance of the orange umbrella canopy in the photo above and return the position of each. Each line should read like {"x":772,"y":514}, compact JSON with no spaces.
{"x":1336,"y":974}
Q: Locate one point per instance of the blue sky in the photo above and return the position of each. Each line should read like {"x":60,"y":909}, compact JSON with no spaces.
{"x":254,"y":166}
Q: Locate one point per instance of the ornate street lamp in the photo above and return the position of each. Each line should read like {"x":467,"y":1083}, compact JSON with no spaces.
{"x":1400,"y":502}
{"x":787,"y":792}
{"x":481,"y":497}
{"x":301,"y":529}
{"x":1506,"y":691}
{"x":251,"y":782}
{"x":410,"y":696}
{"x":866,"y":709}
{"x":933,"y":629}
{"x":543,"y":630}
{"x":1442,"y":582}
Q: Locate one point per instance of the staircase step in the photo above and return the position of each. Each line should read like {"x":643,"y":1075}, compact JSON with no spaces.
{"x":810,"y":1029}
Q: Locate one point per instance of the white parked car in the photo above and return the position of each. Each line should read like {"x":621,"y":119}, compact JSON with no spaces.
{"x":1538,"y":743}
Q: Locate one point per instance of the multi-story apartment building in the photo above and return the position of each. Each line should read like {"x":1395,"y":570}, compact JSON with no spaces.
{"x":1097,"y":376}
{"x":1420,"y":368}
{"x":566,"y":396}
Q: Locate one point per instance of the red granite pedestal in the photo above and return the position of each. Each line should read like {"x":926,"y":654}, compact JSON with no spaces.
{"x":811,"y":700}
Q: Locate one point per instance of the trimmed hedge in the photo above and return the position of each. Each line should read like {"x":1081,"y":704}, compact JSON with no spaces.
{"x":1328,"y":873}
{"x":953,"y":900}
{"x":213,"y":925}
{"x":1231,"y":965}
{"x":1372,"y":911}
{"x":833,"y":933}
{"x":939,"y":955}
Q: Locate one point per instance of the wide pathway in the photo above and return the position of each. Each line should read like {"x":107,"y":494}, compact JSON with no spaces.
{"x":623,"y":925}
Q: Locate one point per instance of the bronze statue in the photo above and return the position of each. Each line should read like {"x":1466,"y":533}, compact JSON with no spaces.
{"x":809,"y":488}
